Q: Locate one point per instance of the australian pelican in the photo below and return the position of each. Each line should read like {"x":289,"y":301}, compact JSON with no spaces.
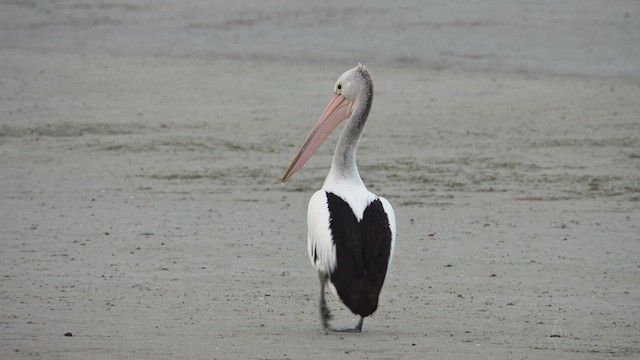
{"x":351,"y":231}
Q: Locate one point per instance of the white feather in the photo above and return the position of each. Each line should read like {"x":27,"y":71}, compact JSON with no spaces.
{"x":392,"y":225}
{"x":353,"y":193}
{"x":319,"y":235}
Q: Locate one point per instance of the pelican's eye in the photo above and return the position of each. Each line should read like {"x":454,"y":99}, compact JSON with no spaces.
{"x":339,"y":87}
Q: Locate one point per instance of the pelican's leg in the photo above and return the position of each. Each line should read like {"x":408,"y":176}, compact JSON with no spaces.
{"x":357,"y":329}
{"x":359,"y":325}
{"x":325,"y":313}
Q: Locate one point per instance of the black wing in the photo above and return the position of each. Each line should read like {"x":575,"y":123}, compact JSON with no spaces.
{"x":362,"y":250}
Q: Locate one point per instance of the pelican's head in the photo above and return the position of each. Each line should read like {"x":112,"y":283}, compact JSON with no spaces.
{"x":353,"y":85}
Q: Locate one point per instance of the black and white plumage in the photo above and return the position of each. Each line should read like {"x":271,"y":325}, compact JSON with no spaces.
{"x":351,"y":231}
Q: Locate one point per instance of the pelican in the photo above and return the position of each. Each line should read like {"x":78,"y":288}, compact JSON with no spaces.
{"x":351,"y":231}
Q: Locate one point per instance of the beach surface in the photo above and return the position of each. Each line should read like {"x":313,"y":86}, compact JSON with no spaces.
{"x":141,"y":145}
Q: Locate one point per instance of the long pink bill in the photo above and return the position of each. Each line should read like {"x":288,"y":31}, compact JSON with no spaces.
{"x":338,"y":110}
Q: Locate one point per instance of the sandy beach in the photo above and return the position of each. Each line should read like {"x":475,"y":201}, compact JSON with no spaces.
{"x":141,"y":145}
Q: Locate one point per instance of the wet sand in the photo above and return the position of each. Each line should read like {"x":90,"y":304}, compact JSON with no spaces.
{"x":142,"y":212}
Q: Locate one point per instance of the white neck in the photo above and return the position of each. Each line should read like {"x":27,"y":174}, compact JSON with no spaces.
{"x":343,"y":166}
